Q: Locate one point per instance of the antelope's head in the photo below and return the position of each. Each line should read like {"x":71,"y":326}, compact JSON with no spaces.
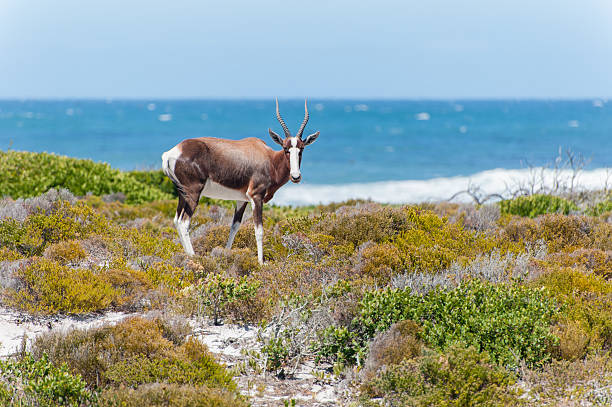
{"x":293,"y":146}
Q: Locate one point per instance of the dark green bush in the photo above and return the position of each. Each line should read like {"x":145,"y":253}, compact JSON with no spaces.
{"x":37,"y":382}
{"x":458,"y":377}
{"x":26,"y":174}
{"x":535,"y":205}
{"x":510,"y":322}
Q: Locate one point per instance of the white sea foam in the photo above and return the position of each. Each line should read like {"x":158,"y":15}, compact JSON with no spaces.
{"x":423,"y":116}
{"x":496,"y":181}
{"x":166,"y":117}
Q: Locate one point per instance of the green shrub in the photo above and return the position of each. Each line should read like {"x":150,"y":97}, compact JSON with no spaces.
{"x":510,"y":322}
{"x":37,"y":382}
{"x":218,"y":291}
{"x":535,"y":205}
{"x":600,"y":208}
{"x":28,"y":174}
{"x":458,"y":377}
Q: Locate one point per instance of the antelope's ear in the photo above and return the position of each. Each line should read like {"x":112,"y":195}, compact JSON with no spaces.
{"x":310,"y":139}
{"x":275,"y":137}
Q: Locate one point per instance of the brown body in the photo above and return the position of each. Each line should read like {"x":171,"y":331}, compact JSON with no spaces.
{"x":244,"y":170}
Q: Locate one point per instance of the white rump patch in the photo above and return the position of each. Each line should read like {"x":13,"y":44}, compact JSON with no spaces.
{"x":169,"y":162}
{"x":217,"y":191}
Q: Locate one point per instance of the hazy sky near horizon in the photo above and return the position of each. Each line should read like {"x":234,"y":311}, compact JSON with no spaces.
{"x":335,"y":48}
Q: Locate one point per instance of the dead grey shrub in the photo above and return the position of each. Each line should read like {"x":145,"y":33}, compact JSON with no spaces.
{"x":114,"y":197}
{"x":98,"y":254}
{"x":19,"y":209}
{"x":7,"y":272}
{"x":295,"y":325}
{"x":47,"y":202}
{"x":390,"y":347}
{"x":480,"y":219}
{"x":300,"y":243}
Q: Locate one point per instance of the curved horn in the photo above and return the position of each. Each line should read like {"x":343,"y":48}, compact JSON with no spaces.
{"x":301,"y":130}
{"x":281,"y":121}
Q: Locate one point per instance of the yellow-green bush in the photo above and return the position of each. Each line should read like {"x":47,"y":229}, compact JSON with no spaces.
{"x":560,"y":232}
{"x":360,"y":226}
{"x":169,"y":275}
{"x":135,"y":351}
{"x":47,"y":287}
{"x":130,"y":286}
{"x":39,"y":230}
{"x":169,"y":395}
{"x":430,"y":243}
{"x":381,"y":261}
{"x":65,"y":252}
{"x":589,"y":260}
{"x":7,"y":254}
{"x":587,"y":300}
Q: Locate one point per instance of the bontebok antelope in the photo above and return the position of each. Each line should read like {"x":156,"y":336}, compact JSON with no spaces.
{"x":244,"y":170}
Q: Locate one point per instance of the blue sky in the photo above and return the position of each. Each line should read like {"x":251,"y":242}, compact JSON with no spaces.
{"x":333,"y":48}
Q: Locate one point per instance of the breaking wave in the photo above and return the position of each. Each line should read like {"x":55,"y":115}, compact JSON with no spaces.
{"x":497,"y":181}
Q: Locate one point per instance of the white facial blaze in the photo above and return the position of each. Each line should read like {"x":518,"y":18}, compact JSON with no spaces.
{"x":294,"y":159}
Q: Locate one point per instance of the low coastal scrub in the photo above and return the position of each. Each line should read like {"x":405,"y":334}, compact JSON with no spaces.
{"x":433,"y":304}
{"x":137,"y":359}
{"x":27,"y":174}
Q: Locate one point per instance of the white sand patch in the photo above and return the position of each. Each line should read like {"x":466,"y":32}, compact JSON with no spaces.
{"x":228,"y":343}
{"x":14,"y":325}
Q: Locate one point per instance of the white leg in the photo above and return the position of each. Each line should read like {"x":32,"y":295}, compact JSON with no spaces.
{"x":182,"y":227}
{"x":259,"y":238}
{"x":257,"y":204}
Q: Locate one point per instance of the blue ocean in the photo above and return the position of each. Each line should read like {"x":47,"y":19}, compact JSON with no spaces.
{"x":391,"y":151}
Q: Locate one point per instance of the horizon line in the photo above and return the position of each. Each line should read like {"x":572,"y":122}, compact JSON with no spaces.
{"x":295,"y":98}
